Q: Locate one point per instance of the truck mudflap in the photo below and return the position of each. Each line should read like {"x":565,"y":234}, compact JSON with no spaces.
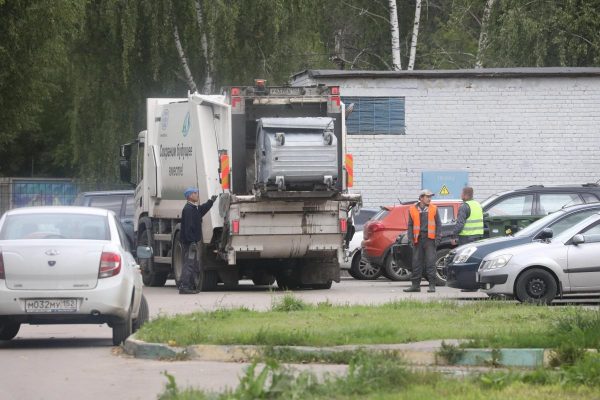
{"x":312,"y":228}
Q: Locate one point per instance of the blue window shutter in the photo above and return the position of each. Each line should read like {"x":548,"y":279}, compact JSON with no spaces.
{"x":376,"y":116}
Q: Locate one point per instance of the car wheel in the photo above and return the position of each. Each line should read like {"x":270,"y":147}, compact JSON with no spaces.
{"x":121,"y":330}
{"x":143,"y":315}
{"x":352,"y":273}
{"x":364,"y":270}
{"x":395,"y":271}
{"x":536,"y":286}
{"x":9,"y":330}
{"x":146,"y":238}
{"x":440,"y":267}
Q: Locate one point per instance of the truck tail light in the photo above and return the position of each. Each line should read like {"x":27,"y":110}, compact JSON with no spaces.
{"x":110,"y":265}
{"x":2,"y":274}
{"x":235,"y":91}
{"x":224,"y":167}
{"x":343,"y":225}
{"x":235,"y":226}
{"x":335,"y":90}
{"x":235,"y":101}
{"x":349,"y":162}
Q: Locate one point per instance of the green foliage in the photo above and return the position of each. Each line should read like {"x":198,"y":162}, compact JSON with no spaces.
{"x":288,"y":303}
{"x":75,"y":73}
{"x":451,"y":353}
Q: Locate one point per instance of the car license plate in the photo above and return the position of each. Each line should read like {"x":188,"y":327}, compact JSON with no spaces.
{"x":50,"y":305}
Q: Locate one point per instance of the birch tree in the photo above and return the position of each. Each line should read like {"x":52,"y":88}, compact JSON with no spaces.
{"x":395,"y":33}
{"x":207,"y":86}
{"x":483,"y":33}
{"x":189,"y":78}
{"x":415,"y":35}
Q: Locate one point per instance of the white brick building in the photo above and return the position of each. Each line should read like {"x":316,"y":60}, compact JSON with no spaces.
{"x":508,"y":128}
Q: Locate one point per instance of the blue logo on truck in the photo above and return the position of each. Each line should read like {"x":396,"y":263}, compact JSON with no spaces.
{"x":186,"y":125}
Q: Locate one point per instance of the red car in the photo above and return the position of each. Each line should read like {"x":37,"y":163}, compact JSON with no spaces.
{"x":381,"y":231}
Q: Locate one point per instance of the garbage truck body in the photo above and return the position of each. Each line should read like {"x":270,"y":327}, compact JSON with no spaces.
{"x":276,"y":158}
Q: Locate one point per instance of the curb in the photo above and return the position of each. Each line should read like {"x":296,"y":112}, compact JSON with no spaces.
{"x":420,"y":354}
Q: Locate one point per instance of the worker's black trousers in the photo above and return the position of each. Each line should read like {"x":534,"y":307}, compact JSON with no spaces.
{"x":423,"y":257}
{"x":191,"y":265}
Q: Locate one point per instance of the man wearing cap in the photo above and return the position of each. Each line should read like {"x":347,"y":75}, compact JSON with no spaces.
{"x":424,"y":230}
{"x":190,"y":236}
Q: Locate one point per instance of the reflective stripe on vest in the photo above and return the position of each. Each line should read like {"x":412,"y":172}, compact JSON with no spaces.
{"x":415,"y":215}
{"x":473,"y":224}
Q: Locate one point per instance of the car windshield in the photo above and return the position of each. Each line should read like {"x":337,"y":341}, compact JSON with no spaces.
{"x":533,"y":228}
{"x":490,"y":199}
{"x":362,"y":217}
{"x":55,"y":226}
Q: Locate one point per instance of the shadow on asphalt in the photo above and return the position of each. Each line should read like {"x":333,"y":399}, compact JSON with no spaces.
{"x":55,"y":343}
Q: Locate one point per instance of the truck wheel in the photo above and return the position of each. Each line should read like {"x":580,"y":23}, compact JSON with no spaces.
{"x":9,"y":329}
{"x":146,"y":238}
{"x":143,"y":315}
{"x":207,"y":279}
{"x":177,"y":259}
{"x":322,"y":286}
{"x":263,"y":278}
{"x":364,"y":270}
{"x":395,"y":271}
{"x":536,"y":286}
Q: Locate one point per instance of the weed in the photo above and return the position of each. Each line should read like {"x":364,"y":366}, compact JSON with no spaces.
{"x":567,"y":353}
{"x":451,"y":353}
{"x":288,"y":303}
{"x":495,"y":359}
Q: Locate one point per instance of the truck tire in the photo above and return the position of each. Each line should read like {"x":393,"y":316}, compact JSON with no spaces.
{"x":263,"y":278}
{"x":322,"y":286}
{"x":177,"y":259}
{"x":207,"y":280}
{"x":394,"y":271}
{"x":146,"y":238}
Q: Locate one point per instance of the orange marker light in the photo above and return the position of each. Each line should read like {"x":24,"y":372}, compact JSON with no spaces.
{"x":349,"y":161}
{"x":224,"y":158}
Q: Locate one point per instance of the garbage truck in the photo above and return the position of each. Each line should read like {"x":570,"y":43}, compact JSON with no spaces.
{"x":275,"y":156}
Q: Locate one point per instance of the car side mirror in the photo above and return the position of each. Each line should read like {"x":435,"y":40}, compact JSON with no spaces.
{"x":578,"y":239}
{"x":144,"y":252}
{"x":546,"y":233}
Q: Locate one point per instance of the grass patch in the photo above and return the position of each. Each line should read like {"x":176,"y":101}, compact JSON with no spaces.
{"x":383,"y":377}
{"x":292,"y":322}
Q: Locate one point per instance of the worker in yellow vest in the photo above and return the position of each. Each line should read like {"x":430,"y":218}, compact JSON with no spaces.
{"x":469,"y":222}
{"x":424,"y":230}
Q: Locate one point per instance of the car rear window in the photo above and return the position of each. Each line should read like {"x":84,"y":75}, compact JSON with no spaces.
{"x":108,"y":202}
{"x":55,"y":226}
{"x":380,"y":215}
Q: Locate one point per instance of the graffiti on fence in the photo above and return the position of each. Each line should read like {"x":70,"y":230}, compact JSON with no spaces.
{"x":26,"y":193}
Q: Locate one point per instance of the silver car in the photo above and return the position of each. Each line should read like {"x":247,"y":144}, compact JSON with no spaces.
{"x":68,"y":265}
{"x":539,"y":271}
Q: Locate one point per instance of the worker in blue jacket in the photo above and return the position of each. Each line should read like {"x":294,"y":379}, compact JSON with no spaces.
{"x":191,"y":239}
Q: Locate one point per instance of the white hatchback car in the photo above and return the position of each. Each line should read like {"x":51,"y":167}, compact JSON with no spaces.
{"x":539,"y":271}
{"x":68,"y":265}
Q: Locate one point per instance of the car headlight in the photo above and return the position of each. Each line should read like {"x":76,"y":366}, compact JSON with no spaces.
{"x":464,"y":255}
{"x":496,"y":262}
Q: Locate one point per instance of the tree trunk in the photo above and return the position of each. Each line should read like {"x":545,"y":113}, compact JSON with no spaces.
{"x":395,"y":32}
{"x":208,"y":84}
{"x":183,"y":59}
{"x":483,"y":35}
{"x":415,"y":36}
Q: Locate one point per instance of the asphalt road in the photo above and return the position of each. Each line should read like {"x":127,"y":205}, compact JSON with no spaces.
{"x":79,"y":361}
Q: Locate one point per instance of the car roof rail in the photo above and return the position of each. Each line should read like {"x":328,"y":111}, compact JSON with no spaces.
{"x":535,"y":186}
{"x":590,"y":184}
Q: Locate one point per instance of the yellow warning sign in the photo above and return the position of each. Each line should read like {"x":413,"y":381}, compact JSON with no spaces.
{"x":444,"y":191}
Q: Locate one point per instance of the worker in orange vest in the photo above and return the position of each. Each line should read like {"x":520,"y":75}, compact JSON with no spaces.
{"x":424,"y":231}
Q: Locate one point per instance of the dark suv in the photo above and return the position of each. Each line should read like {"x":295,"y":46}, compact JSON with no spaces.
{"x":508,"y":212}
{"x":119,"y":201}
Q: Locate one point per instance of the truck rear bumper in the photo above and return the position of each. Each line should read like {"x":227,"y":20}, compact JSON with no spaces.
{"x":285,"y":246}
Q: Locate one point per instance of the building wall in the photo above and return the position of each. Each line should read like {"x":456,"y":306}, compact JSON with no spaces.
{"x":506,"y":132}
